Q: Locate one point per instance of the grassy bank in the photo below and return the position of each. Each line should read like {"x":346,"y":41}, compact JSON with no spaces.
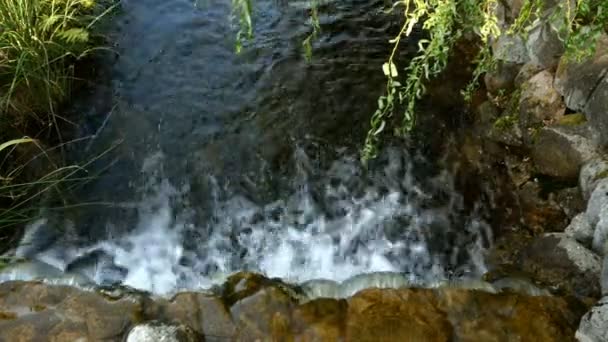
{"x":41,"y":42}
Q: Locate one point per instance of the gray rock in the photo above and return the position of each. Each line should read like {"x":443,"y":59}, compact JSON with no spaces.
{"x":580,"y":230}
{"x":585,"y":87}
{"x":158,"y":332}
{"x":594,"y":325}
{"x":570,"y":201}
{"x":604,"y":277}
{"x":526,"y":72}
{"x":544,"y":45}
{"x":561,"y":151}
{"x":600,"y":233}
{"x":557,"y":260}
{"x":597,"y":201}
{"x":510,"y":49}
{"x":591,"y":173}
{"x":539,"y":102}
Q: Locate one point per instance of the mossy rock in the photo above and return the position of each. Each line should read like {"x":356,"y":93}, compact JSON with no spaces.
{"x":572,"y":119}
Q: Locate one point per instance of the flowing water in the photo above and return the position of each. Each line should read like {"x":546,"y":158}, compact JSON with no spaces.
{"x":231,"y":162}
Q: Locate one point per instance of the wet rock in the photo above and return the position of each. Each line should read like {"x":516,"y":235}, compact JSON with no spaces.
{"x":37,"y":270}
{"x":49,"y":312}
{"x":560,"y":261}
{"x":560,"y":151}
{"x":64,"y":313}
{"x":265,"y":313}
{"x":320,"y":320}
{"x":597,"y":201}
{"x":388,"y":315}
{"x":540,"y":215}
{"x":594,"y":324}
{"x":205,"y":314}
{"x":539,"y":103}
{"x":585,"y":87}
{"x":158,"y":332}
{"x":98,"y":264}
{"x":580,"y":230}
{"x":591,"y":173}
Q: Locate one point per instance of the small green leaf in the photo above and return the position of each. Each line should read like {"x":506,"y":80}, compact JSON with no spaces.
{"x":390,"y":71}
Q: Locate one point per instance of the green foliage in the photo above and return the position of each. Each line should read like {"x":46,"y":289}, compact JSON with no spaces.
{"x":242,"y":10}
{"x":316,"y":28}
{"x":446,"y":21}
{"x":579,"y":23}
{"x":39,"y":42}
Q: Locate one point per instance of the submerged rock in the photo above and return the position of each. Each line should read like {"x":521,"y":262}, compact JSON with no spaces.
{"x":594,"y":324}
{"x":38,"y":270}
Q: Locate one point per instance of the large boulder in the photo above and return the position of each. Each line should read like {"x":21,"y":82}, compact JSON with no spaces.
{"x":585,"y":87}
{"x":560,"y":151}
{"x":594,"y":325}
{"x":539,"y":103}
{"x":544,"y":45}
{"x":557,"y":260}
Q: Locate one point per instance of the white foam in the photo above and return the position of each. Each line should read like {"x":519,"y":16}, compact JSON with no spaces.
{"x":293,"y":238}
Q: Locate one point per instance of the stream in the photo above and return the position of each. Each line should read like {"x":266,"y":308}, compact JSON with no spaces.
{"x":215,"y":162}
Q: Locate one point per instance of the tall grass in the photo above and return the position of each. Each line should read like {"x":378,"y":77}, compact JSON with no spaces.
{"x":40,"y":43}
{"x":40,"y":40}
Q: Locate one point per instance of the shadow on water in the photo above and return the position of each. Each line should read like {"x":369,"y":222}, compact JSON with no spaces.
{"x":248,"y":161}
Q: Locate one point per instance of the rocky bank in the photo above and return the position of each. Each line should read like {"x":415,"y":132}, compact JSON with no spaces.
{"x":249,"y":307}
{"x":544,"y":127}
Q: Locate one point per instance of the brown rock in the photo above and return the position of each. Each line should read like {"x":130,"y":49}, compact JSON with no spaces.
{"x":396,"y":315}
{"x":539,"y":103}
{"x":320,"y":320}
{"x":265,"y":313}
{"x":206,"y":314}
